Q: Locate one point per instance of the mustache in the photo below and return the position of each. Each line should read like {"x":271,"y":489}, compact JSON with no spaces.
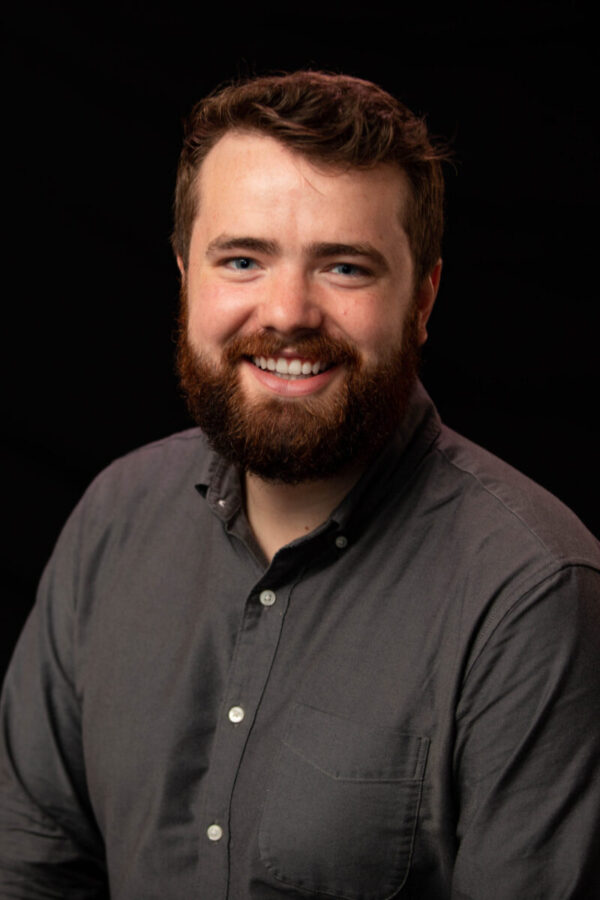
{"x":328,"y":350}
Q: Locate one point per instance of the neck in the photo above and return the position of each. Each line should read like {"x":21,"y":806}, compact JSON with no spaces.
{"x":280,"y":513}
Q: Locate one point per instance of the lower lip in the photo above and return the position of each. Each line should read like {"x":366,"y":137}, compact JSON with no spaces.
{"x":286,"y":387}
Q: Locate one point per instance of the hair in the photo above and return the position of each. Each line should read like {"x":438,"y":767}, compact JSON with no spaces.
{"x":334,"y":120}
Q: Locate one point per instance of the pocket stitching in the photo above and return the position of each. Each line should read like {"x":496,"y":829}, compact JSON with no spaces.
{"x":403,"y":864}
{"x":367,"y":777}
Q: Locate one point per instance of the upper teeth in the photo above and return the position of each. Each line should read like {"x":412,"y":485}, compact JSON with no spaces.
{"x":284,"y":366}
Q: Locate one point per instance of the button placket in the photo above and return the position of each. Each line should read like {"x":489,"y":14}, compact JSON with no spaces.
{"x":250,"y":667}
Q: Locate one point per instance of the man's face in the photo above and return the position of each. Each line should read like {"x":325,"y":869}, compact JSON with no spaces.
{"x":301,"y":324}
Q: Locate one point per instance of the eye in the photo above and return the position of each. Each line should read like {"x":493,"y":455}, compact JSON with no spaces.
{"x":240,"y":263}
{"x":349,"y":269}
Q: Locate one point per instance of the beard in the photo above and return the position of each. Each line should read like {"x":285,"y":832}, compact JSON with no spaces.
{"x":298,"y":439}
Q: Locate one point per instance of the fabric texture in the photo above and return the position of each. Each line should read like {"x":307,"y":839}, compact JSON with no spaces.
{"x":405,"y":702}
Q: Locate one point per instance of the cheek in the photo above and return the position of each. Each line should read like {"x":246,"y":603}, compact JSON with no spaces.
{"x":371,"y":326}
{"x":216,"y":312}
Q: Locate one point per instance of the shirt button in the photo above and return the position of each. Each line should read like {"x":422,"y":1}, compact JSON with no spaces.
{"x":236,"y":714}
{"x":267,"y":598}
{"x":222,"y":503}
{"x":214,"y":832}
{"x":341,"y":541}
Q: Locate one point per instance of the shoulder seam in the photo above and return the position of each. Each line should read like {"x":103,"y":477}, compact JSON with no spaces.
{"x":564,"y":560}
{"x":189,"y":434}
{"x":543,"y":574}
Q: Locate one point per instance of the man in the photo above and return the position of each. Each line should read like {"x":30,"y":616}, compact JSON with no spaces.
{"x":322,"y":646}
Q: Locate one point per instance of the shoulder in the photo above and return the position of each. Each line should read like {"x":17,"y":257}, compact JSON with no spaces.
{"x":183,"y":449}
{"x":513,"y":562}
{"x":494,"y":499}
{"x":154,"y":483}
{"x":160,"y":466}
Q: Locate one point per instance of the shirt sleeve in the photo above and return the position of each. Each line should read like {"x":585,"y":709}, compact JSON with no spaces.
{"x":50,"y":845}
{"x":527,"y":759}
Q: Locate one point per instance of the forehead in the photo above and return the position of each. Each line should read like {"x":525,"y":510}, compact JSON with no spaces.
{"x":253,"y":171}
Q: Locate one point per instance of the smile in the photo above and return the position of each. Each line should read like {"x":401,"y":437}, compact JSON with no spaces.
{"x":289,"y":369}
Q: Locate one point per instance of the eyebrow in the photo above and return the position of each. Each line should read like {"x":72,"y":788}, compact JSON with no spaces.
{"x":318,"y":250}
{"x":224,"y":243}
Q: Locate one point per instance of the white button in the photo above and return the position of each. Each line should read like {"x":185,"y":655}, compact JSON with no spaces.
{"x":214,"y":832}
{"x":267,"y":598}
{"x":236,"y":714}
{"x":222,"y":503}
{"x":341,"y":541}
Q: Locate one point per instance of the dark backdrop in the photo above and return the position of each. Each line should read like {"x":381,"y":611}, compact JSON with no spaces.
{"x":94,"y":102}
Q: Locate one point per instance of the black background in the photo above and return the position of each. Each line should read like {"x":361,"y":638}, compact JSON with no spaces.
{"x":95,"y":96}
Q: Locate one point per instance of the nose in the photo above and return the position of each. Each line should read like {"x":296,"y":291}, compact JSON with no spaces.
{"x":289,"y":304}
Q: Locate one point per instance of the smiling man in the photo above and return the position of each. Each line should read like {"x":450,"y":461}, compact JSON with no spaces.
{"x":301,"y":321}
{"x":320,"y":645}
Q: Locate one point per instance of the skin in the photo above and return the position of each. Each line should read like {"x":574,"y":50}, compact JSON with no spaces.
{"x":282,"y":246}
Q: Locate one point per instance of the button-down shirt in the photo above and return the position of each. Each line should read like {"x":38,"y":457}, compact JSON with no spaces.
{"x":404,"y":702}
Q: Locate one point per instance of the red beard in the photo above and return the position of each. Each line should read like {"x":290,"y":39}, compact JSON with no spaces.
{"x":301,"y":439}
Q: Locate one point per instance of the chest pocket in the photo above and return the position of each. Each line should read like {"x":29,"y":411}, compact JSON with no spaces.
{"x":342,"y":806}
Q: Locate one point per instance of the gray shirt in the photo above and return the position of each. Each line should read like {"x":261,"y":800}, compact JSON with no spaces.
{"x":404,"y":702}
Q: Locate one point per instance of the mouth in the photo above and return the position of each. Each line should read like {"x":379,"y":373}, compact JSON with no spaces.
{"x":289,"y":369}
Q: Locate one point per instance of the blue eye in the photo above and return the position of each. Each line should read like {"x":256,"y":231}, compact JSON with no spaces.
{"x":240,"y":263}
{"x":345,"y":268}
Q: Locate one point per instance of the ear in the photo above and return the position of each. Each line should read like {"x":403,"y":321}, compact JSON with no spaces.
{"x":425,"y":299}
{"x":181,"y":267}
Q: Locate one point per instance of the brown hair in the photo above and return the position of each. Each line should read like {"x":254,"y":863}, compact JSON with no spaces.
{"x":333,"y":119}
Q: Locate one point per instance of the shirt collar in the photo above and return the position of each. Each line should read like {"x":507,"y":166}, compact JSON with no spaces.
{"x":220,"y":483}
{"x":398,"y":459}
